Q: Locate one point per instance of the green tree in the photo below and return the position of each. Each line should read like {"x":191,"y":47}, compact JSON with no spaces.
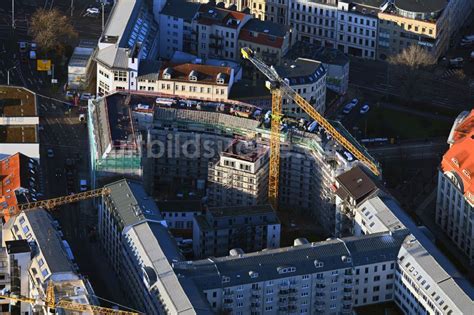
{"x":51,"y":30}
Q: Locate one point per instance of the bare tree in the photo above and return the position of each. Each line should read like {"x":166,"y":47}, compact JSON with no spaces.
{"x":408,"y":67}
{"x":414,"y":57}
{"x":51,"y":29}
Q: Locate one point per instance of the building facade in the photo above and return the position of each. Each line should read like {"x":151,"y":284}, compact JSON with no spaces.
{"x":308,"y":78}
{"x":246,"y":228}
{"x":239,"y":176}
{"x":455,"y":198}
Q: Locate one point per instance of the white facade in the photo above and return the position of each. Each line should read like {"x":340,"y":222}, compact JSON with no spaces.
{"x":357,"y":31}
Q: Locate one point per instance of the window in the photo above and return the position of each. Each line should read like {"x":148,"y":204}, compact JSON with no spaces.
{"x":120,"y":76}
{"x":45,"y":272}
{"x":41,"y":262}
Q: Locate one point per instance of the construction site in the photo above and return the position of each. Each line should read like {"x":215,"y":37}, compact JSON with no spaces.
{"x":173,"y":146}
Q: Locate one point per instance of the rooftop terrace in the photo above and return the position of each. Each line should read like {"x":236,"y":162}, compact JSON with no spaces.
{"x":245,"y":150}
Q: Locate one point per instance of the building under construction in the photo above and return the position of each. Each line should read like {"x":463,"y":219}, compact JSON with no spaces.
{"x":181,"y":139}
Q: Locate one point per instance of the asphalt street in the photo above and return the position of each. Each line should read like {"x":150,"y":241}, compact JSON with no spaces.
{"x":378,"y":77}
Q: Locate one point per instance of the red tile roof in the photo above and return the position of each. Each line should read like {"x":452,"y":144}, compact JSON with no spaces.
{"x":206,"y":73}
{"x":261,"y":39}
{"x":209,"y":15}
{"x":460,"y":156}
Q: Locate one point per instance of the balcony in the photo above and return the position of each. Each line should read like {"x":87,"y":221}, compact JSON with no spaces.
{"x":216,"y":37}
{"x":216,"y":46}
{"x":283,"y":292}
{"x":255,"y":296}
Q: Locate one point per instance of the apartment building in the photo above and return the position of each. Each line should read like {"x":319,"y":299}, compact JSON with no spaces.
{"x":239,"y":176}
{"x":308,"y":78}
{"x":237,"y":228}
{"x":19,"y":183}
{"x":126,"y":205}
{"x":50,"y":259}
{"x":351,"y":188}
{"x":15,"y":258}
{"x":19,"y":122}
{"x":180,"y":214}
{"x":334,"y":61}
{"x":306,"y":278}
{"x":128,"y":37}
{"x":357,"y":29}
{"x":314,"y":21}
{"x":188,"y":80}
{"x":270,"y":41}
{"x":455,"y":195}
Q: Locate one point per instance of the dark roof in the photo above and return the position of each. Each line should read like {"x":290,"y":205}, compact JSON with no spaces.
{"x":180,"y":9}
{"x":246,"y":89}
{"x":267,"y":27}
{"x":179,"y":206}
{"x":204,"y":73}
{"x":131,"y":203}
{"x":367,"y":249}
{"x":241,"y":210}
{"x":149,"y":69}
{"x":368,"y":3}
{"x":355,"y":183}
{"x":422,"y":6}
{"x":20,"y":246}
{"x":324,"y":54}
{"x":301,"y":71}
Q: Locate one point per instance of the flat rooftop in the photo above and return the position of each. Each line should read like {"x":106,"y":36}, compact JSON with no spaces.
{"x":17,"y":102}
{"x":18,"y":134}
{"x":245,"y":150}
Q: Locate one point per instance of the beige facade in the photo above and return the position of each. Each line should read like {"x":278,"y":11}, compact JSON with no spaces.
{"x":397,"y":33}
{"x":240,"y":176}
{"x":195,"y":81}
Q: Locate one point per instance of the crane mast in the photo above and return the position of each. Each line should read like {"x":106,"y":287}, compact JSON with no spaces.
{"x":280,"y":88}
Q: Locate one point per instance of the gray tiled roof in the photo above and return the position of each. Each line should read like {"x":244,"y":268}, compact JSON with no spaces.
{"x":208,"y":273}
{"x":162,"y":251}
{"x":271,"y":28}
{"x":301,"y":71}
{"x":180,"y":9}
{"x":113,"y":57}
{"x":132,"y":204}
{"x":48,"y":241}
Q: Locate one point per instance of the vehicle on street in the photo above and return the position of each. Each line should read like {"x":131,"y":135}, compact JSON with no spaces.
{"x":347,"y":109}
{"x":456,"y":62}
{"x":164,"y":101}
{"x":93,"y":11}
{"x":23,"y":46}
{"x":365,"y":109}
{"x":354,"y":102}
{"x":32,"y":54}
{"x":59,"y":173}
{"x":86,"y":96}
{"x":33,"y":46}
{"x":50,"y":153}
{"x":82,"y":117}
{"x":70,"y":95}
{"x":83,"y":185}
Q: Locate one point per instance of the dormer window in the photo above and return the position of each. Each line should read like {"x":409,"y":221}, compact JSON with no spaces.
{"x":220,"y":78}
{"x":193,"y":75}
{"x":455,"y":161}
{"x":167,"y":73}
{"x":467,"y":173}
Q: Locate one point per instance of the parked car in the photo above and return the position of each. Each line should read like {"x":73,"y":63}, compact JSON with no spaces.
{"x":365,"y":109}
{"x":86,"y":96}
{"x":33,"y":46}
{"x":23,"y":46}
{"x":32,"y":54}
{"x":354,"y":102}
{"x":83,"y":185}
{"x":50,"y":153}
{"x":93,"y":11}
{"x":70,"y":95}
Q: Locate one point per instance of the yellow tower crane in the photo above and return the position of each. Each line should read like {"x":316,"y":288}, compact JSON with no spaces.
{"x":50,"y":303}
{"x":280,"y":88}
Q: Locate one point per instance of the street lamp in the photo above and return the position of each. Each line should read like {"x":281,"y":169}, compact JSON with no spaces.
{"x":8,"y":74}
{"x":13,"y":14}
